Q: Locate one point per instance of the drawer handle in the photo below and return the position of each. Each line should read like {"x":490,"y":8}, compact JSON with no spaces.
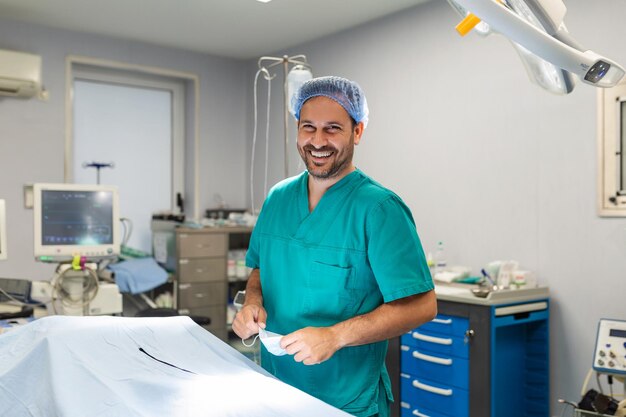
{"x":432,"y":359}
{"x":199,"y":270}
{"x":199,"y":295}
{"x":431,"y":339}
{"x":434,"y":390}
{"x":418,"y":414}
{"x":442,"y":321}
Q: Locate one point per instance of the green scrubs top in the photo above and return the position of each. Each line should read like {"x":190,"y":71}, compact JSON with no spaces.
{"x":357,"y":250}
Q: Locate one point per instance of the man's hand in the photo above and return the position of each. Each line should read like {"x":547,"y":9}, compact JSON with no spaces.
{"x":248,"y":320}
{"x":311,"y":345}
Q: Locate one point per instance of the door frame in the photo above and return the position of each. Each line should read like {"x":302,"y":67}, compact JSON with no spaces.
{"x":74,"y":66}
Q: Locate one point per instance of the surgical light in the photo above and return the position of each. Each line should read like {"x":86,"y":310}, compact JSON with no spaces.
{"x":536,"y":29}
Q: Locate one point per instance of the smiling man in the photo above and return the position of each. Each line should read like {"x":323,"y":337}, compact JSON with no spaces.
{"x":338,"y":267}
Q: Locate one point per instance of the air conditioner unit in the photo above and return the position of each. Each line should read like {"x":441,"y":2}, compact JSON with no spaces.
{"x":20,"y":74}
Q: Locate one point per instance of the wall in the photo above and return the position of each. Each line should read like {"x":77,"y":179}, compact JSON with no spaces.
{"x":490,"y":164}
{"x":32,"y":132}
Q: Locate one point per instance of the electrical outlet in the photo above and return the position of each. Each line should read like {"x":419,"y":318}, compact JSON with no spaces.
{"x":41,"y":291}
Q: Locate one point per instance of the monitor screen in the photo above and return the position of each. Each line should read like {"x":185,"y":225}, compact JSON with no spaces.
{"x":3,"y":231}
{"x":75,"y":220}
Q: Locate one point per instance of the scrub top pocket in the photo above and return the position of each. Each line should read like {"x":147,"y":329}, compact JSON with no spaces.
{"x":328,"y":295}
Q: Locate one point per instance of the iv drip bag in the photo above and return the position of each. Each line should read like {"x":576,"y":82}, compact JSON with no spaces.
{"x":296,"y":77}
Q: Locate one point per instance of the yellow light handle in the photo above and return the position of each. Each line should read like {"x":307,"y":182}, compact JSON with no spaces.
{"x":467,"y":24}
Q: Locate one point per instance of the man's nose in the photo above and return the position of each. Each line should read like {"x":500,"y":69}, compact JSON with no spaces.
{"x":319,"y":139}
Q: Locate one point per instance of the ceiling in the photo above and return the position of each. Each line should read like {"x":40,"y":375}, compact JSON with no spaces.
{"x":232,"y":28}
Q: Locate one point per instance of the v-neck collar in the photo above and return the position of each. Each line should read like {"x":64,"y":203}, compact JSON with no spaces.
{"x":328,"y":204}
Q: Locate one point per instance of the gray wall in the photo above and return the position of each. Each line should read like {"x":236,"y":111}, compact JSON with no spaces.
{"x":489,"y":163}
{"x":32,"y":133}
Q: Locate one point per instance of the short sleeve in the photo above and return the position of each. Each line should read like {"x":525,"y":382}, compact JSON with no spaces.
{"x":395,"y":252}
{"x":252,"y":254}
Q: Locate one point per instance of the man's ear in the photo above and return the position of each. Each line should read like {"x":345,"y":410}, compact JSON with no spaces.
{"x":358,"y":132}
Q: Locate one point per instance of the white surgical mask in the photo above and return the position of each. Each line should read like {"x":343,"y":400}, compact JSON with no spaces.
{"x":270,"y":340}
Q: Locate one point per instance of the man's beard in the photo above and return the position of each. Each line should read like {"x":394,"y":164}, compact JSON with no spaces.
{"x":341,"y":160}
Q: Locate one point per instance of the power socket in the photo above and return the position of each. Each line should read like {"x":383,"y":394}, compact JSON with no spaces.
{"x":41,"y":291}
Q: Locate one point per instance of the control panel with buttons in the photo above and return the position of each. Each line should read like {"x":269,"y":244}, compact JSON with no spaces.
{"x":610,"y":353}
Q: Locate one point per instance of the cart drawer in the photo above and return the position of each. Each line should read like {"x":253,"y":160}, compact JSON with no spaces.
{"x":201,"y":269}
{"x":198,"y":245}
{"x":408,"y":410}
{"x":216,"y":313}
{"x":201,"y":295}
{"x":436,"y":342}
{"x":427,"y":394}
{"x":448,"y":370}
{"x":448,"y":325}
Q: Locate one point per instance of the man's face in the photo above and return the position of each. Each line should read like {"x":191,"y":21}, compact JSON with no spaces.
{"x":326,"y":138}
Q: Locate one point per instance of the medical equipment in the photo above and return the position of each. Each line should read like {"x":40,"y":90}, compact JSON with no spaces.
{"x":3,"y":231}
{"x":609,"y":359}
{"x":293,"y":79}
{"x":15,"y":290}
{"x":75,"y":220}
{"x":345,"y":92}
{"x":610,"y":352}
{"x":76,"y":226}
{"x":77,"y":291}
{"x":536,"y":28}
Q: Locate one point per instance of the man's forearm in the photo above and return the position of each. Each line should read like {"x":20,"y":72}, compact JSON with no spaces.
{"x":387,"y":321}
{"x":254,"y":294}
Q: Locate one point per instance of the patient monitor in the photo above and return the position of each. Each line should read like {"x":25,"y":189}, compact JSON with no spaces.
{"x":76,"y":226}
{"x":75,"y":220}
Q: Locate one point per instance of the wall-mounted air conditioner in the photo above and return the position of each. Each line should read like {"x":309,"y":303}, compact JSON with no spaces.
{"x":20,"y":74}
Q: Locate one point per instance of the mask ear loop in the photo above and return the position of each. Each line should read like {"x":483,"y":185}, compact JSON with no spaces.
{"x":243,"y":341}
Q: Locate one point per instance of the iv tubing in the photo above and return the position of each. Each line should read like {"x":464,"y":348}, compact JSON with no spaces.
{"x":254,"y":134}
{"x":267,"y":135}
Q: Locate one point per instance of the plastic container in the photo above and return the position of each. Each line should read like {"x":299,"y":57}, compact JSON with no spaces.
{"x":440,"y":258}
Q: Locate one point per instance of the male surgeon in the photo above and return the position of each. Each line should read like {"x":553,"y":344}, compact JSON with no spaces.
{"x":338,"y":267}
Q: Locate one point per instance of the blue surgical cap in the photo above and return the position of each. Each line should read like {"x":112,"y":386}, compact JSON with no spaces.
{"x":345,"y":92}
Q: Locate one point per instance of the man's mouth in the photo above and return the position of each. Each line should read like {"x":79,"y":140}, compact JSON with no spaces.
{"x":320,"y":154}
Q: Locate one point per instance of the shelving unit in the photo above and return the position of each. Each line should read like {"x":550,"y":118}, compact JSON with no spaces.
{"x":202,"y":287}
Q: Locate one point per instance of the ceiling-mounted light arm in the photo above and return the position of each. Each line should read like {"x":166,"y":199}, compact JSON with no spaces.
{"x":298,"y":61}
{"x":590,"y":67}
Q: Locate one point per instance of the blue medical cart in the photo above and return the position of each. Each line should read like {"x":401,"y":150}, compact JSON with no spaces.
{"x":480,"y":357}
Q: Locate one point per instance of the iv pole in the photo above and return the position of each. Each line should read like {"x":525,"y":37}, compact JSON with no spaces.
{"x":98,"y":166}
{"x":285,"y":61}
